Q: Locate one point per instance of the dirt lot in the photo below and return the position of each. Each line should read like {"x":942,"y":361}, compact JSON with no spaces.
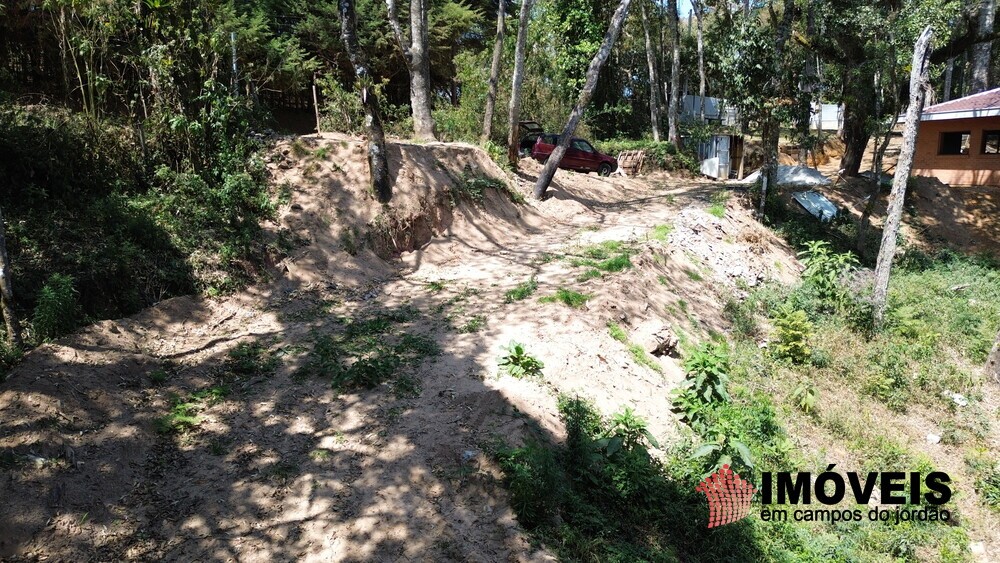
{"x":275,"y":465}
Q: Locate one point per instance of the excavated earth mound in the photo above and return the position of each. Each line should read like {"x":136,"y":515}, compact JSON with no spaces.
{"x":208,"y":429}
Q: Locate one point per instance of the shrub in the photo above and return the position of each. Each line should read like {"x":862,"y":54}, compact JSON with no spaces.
{"x":518,"y":363}
{"x":794,"y":332}
{"x":824,"y":271}
{"x":57,"y":310}
{"x":662,"y":155}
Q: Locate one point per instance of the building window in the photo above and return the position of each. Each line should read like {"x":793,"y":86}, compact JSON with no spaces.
{"x":991,"y":142}
{"x":954,"y":143}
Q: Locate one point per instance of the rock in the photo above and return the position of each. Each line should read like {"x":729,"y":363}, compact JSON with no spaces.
{"x":665,"y":343}
{"x":933,"y":439}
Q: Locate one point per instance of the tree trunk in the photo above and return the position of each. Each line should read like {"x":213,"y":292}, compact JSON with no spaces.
{"x":7,"y":294}
{"x":415,"y":51}
{"x":855,"y":129}
{"x":771,"y":133}
{"x":545,"y":178}
{"x":949,"y":72}
{"x":654,"y":81}
{"x":980,"y":76}
{"x":808,"y":85}
{"x":514,"y":114}
{"x":699,"y":9}
{"x":491,"y":92}
{"x":378,"y":165}
{"x":865,"y":223}
{"x":420,"y":71}
{"x":673,"y":134}
{"x":918,"y":83}
{"x":993,"y":362}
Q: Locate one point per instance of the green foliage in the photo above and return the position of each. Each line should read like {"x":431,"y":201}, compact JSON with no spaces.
{"x":521,"y":291}
{"x":987,"y":471}
{"x":370,"y":350}
{"x":9,"y":357}
{"x":617,"y":332}
{"x":183,"y":414}
{"x":518,"y":363}
{"x":718,"y":206}
{"x":804,"y":395}
{"x":251,"y":358}
{"x":567,"y":297}
{"x":57,"y":310}
{"x":661,"y":232}
{"x":825,"y":270}
{"x":794,"y":332}
{"x":662,"y":155}
{"x":472,"y":188}
{"x":707,"y":367}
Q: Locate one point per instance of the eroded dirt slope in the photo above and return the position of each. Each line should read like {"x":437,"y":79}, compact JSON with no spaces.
{"x":272,"y":463}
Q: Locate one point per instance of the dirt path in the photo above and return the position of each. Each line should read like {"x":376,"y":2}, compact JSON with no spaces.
{"x":271,"y":463}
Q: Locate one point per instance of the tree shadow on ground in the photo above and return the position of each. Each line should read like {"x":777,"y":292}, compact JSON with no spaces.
{"x":212,"y":430}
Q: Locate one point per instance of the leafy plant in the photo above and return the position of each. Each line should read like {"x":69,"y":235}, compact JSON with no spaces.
{"x":804,"y":395}
{"x":794,"y":332}
{"x":57,"y":310}
{"x":825,"y":270}
{"x":521,"y":291}
{"x":518,"y":363}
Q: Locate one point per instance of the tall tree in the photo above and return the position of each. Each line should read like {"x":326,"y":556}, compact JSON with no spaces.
{"x":673,"y":132}
{"x":514,"y":113}
{"x":378,"y":164}
{"x":654,"y":80}
{"x":919,"y":82}
{"x":980,"y":78}
{"x":417,"y":55}
{"x":593,"y":71}
{"x":771,"y":123}
{"x":7,"y":294}
{"x":699,"y":10}
{"x":491,"y":92}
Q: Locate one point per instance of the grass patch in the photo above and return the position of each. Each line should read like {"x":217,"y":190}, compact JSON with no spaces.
{"x":642,"y":357}
{"x":372,"y":349}
{"x":693,"y":275}
{"x":617,"y":332}
{"x":589,"y":275}
{"x":521,"y":291}
{"x":661,"y":232}
{"x":567,"y":297}
{"x":718,"y":205}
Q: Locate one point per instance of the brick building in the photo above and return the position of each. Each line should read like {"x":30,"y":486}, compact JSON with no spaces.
{"x":959,"y":141}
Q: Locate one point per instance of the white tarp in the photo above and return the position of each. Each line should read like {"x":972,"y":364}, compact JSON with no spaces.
{"x":793,"y":176}
{"x":816,"y":204}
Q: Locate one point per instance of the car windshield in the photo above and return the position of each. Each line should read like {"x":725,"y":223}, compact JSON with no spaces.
{"x":582,"y":145}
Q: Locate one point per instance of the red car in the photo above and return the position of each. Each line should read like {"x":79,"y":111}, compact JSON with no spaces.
{"x":580,"y":156}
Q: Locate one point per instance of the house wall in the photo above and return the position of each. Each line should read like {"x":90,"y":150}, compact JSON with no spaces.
{"x":973,"y":169}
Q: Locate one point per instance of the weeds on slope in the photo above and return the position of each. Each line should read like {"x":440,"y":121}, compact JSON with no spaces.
{"x":372,"y":349}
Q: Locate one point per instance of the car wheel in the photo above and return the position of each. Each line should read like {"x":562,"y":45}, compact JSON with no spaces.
{"x":604,"y":170}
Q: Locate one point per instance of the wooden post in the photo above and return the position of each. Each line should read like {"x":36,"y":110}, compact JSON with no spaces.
{"x":7,"y":293}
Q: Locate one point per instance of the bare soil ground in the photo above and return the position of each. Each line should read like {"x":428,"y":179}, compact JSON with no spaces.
{"x":281,"y":466}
